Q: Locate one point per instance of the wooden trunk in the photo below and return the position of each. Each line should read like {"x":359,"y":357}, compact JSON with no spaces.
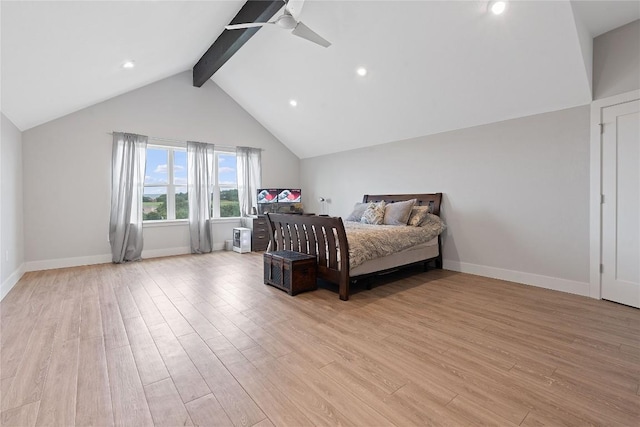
{"x":293,"y":272}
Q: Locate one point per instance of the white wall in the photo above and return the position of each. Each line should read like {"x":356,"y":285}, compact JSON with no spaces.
{"x":516,"y":193}
{"x":586,"y":44}
{"x":616,"y":61}
{"x":11,"y":206}
{"x":67,"y":167}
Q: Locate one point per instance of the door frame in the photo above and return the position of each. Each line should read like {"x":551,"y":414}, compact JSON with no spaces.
{"x":595,"y":187}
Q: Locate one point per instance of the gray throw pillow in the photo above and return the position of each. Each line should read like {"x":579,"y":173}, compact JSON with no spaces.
{"x":358,"y":210}
{"x":398,"y":213}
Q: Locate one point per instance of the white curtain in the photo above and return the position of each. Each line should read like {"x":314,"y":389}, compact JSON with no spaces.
{"x":128,"y":161}
{"x":249,"y":171}
{"x":200,"y":160}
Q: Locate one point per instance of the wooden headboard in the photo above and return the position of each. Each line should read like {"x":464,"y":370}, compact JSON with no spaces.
{"x":433,"y":199}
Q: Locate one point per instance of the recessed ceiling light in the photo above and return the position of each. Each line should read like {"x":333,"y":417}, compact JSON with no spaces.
{"x":293,"y":102}
{"x":128,"y":64}
{"x":361,"y":71}
{"x":497,"y":7}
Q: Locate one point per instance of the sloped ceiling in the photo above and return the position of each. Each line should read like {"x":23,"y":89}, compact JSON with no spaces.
{"x":61,"y":56}
{"x":432,"y":66}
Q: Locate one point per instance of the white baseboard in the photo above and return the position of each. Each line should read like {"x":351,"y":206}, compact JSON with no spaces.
{"x":11,"y":281}
{"x":547,"y":282}
{"x":103,"y":259}
{"x":156,"y":253}
{"x":49,"y":264}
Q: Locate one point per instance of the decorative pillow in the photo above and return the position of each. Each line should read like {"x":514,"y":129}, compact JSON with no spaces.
{"x":374,"y":214}
{"x":418,"y":215}
{"x":358,"y":210}
{"x":398,"y":213}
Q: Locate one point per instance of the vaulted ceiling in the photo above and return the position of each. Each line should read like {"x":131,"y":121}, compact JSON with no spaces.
{"x":432,"y":66}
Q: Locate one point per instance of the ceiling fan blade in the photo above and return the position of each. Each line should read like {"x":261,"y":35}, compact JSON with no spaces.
{"x":307,"y":33}
{"x":248,"y":25}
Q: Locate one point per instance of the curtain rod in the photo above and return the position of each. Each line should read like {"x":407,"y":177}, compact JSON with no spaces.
{"x":157,"y":138}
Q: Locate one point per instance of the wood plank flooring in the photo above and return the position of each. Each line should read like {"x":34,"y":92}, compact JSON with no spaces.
{"x":199,"y":340}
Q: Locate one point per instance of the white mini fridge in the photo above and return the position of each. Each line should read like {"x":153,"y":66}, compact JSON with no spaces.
{"x":242,"y":239}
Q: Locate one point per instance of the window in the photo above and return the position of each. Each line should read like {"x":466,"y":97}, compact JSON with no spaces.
{"x":226,"y":186}
{"x":165,"y":184}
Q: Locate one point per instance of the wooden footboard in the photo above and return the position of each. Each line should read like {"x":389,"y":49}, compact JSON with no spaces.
{"x":321,"y":236}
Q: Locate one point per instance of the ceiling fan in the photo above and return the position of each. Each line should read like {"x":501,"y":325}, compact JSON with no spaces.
{"x":288,"y":22}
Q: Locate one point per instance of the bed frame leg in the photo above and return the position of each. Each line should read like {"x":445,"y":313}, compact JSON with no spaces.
{"x":439,"y":263}
{"x":344,"y":291}
{"x":368,"y":283}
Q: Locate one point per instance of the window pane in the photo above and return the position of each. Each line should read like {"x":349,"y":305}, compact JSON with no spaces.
{"x":179,"y":168}
{"x":229,"y":205}
{"x":154,"y":203}
{"x":227,"y":169}
{"x":182,"y":203}
{"x":156,"y":169}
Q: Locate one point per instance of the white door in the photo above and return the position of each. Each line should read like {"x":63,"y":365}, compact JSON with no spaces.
{"x":621,"y":208}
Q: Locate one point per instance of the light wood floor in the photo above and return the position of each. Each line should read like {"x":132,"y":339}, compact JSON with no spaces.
{"x":200,"y":340}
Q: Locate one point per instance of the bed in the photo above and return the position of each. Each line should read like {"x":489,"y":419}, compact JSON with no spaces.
{"x":326,"y":238}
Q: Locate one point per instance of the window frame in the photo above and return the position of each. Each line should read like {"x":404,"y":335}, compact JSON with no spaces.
{"x":216,"y":189}
{"x":170,"y":185}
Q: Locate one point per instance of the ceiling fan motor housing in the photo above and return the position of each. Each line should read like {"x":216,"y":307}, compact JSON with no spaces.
{"x":286,"y":21}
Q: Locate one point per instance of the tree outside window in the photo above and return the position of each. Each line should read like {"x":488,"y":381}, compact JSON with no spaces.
{"x":165,"y":185}
{"x":226,"y":186}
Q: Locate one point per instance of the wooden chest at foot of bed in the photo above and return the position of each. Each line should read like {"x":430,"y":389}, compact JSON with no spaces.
{"x":293,"y":272}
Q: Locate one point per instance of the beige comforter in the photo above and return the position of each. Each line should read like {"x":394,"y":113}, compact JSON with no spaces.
{"x":367,"y":242}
